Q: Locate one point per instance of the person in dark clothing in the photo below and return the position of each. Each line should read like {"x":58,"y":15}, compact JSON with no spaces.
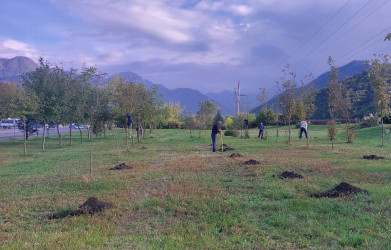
{"x":215,"y":130}
{"x":261,"y":128}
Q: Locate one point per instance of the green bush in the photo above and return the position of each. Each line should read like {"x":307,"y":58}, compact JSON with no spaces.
{"x":233,"y":133}
{"x":368,"y":122}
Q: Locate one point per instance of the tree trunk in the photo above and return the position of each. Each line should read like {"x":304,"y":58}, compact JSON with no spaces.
{"x":44,"y":136}
{"x":25,"y":138}
{"x":277,"y":132}
{"x":59,"y":134}
{"x":127,"y":138}
{"x":289,"y":132}
{"x":89,"y":132}
{"x":382,"y":131}
{"x":81,"y":135}
{"x":70,"y":135}
{"x":91,"y":159}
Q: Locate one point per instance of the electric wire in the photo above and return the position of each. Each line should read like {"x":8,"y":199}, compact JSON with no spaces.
{"x":300,"y":62}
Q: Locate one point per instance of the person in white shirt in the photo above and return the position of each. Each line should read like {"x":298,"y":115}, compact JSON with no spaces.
{"x":303,"y":128}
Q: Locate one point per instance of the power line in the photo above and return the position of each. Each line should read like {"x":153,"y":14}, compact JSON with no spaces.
{"x":362,"y":44}
{"x":300,"y":62}
{"x":374,"y":11}
{"x":308,"y":39}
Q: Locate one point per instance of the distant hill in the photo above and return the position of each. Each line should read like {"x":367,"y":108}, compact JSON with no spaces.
{"x":361,"y":97}
{"x":345,"y":72}
{"x":186,"y":97}
{"x":11,"y":69}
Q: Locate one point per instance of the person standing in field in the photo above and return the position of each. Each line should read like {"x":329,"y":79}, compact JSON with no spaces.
{"x":261,"y":128}
{"x":303,"y":128}
{"x":215,"y":130}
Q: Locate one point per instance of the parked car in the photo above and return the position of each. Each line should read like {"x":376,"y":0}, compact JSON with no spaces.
{"x":81,"y":126}
{"x":9,"y":123}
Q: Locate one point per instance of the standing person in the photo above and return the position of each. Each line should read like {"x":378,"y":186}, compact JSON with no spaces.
{"x":303,"y":128}
{"x":261,"y":128}
{"x":215,"y":130}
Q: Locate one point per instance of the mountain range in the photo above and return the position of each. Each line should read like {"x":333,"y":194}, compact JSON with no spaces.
{"x":11,"y":69}
{"x":320,"y":83}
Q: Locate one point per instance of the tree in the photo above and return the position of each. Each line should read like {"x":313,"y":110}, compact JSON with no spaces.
{"x":379,"y":71}
{"x":287,"y":96}
{"x":305,"y":106}
{"x":205,"y":114}
{"x":25,"y":104}
{"x":334,"y":98}
{"x":40,"y":83}
{"x":9,"y":97}
{"x":190,"y":123}
{"x":262,"y":98}
{"x":169,"y":115}
{"x":218,"y":117}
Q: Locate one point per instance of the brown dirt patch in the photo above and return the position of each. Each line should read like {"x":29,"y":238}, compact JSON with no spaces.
{"x":91,"y":206}
{"x":372,"y":157}
{"x":235,"y":155}
{"x":343,"y":189}
{"x":143,"y":147}
{"x":251,"y":162}
{"x":290,"y":175}
{"x":121,"y":167}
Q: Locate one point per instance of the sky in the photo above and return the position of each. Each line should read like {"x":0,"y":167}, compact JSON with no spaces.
{"x":207,"y":45}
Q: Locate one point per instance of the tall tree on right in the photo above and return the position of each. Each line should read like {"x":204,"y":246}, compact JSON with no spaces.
{"x":379,"y":71}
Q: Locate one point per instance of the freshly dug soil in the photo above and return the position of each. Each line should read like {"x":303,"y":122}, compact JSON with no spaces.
{"x":290,"y":175}
{"x":226,"y":148}
{"x":91,"y":206}
{"x":343,"y":189}
{"x":121,"y":167}
{"x":235,"y":155}
{"x":251,"y":162}
{"x":372,"y":157}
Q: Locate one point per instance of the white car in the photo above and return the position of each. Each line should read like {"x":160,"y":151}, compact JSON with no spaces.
{"x":9,"y":123}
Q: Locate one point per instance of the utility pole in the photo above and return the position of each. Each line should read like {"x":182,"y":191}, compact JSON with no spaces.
{"x":237,"y":99}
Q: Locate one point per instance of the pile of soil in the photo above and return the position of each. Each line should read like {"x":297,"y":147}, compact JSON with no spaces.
{"x":91,"y":206}
{"x":343,"y":189}
{"x":143,"y":147}
{"x":372,"y":157}
{"x":235,"y":155}
{"x":121,"y":167}
{"x":290,"y":175}
{"x":251,"y":162}
{"x":226,"y":148}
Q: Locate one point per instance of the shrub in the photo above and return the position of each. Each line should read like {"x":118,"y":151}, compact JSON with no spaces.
{"x":332,"y":130}
{"x":233,"y":133}
{"x":350,"y":134}
{"x":370,"y":121}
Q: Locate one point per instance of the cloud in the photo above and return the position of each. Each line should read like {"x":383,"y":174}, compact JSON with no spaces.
{"x":11,"y":48}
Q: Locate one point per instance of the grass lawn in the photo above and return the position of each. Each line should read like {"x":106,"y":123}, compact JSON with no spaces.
{"x":181,"y":195}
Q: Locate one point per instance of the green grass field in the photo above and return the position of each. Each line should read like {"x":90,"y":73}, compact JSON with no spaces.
{"x":181,"y":195}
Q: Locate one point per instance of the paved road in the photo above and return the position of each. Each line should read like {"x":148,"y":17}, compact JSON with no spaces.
{"x":6,"y":134}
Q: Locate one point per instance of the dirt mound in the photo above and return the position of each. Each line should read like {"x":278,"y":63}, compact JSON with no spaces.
{"x":235,"y":155}
{"x":251,"y":162}
{"x":290,"y":175}
{"x":343,"y":189}
{"x":226,"y":148}
{"x":121,"y":167}
{"x":91,"y":206}
{"x":372,"y":157}
{"x":143,"y":147}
